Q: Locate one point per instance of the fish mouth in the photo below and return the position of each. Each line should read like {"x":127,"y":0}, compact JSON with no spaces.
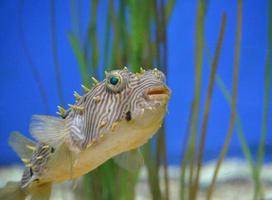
{"x":158,"y":92}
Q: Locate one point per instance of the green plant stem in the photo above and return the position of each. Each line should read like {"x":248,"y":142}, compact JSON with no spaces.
{"x":233,"y":101}
{"x":80,"y":58}
{"x":267,"y":88}
{"x":169,"y":9}
{"x":106,"y":48}
{"x":184,"y":154}
{"x":75,"y":10}
{"x":197,"y":90}
{"x":116,"y":53}
{"x":161,"y":59}
{"x":190,"y":150}
{"x":238,"y":123}
{"x":55,"y":51}
{"x":152,"y":170}
{"x":33,"y":68}
{"x":92,"y":37}
{"x":123,"y":32}
{"x":208,"y":104}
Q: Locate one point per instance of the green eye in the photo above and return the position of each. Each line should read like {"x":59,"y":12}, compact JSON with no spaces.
{"x":114,"y":80}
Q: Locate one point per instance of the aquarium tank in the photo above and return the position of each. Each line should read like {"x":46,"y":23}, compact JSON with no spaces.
{"x":216,"y":139}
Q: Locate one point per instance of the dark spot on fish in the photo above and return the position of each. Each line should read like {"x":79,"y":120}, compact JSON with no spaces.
{"x":52,"y":150}
{"x":30,"y":171}
{"x":128,"y":115}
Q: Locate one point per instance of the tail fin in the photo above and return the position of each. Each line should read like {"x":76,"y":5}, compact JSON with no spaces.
{"x":12,"y":191}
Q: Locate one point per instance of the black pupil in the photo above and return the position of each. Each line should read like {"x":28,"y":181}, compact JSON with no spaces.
{"x":114,"y":80}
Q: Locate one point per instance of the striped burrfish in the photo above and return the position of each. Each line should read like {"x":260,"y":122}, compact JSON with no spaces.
{"x":115,"y":117}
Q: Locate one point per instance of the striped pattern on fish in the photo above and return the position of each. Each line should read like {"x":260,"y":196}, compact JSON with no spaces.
{"x":118,"y":114}
{"x":103,"y":107}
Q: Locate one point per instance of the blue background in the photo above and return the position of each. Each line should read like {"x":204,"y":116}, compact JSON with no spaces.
{"x":20,"y":97}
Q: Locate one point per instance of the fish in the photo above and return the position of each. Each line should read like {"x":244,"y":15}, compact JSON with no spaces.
{"x":111,"y":120}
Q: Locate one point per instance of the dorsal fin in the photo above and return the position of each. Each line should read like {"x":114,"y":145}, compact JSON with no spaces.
{"x":49,"y":130}
{"x":21,"y":145}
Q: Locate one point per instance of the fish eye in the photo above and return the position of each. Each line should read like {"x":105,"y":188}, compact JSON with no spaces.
{"x":115,"y":81}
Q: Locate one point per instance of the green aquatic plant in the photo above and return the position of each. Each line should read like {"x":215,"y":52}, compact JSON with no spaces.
{"x":195,"y":186}
{"x":189,"y":155}
{"x":233,"y":100}
{"x":255,"y":167}
{"x":266,"y":106}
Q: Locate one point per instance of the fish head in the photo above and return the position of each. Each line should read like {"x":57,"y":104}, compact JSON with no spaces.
{"x":138,"y":97}
{"x":123,"y":98}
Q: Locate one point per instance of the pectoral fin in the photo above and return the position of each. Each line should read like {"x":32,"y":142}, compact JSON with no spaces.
{"x":130,"y":160}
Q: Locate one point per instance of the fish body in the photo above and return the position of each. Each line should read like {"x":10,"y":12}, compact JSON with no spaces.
{"x":119,"y":114}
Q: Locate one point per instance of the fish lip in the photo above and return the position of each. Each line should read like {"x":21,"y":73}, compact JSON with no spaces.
{"x":157,"y":92}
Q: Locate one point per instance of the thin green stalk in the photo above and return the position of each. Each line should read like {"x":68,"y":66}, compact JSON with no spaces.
{"x":123,"y":32}
{"x":75,"y":10}
{"x":137,"y":10}
{"x":238,"y":123}
{"x":157,"y":32}
{"x":152,"y":170}
{"x":116,"y":56}
{"x":161,"y":60}
{"x":165,"y":167}
{"x":169,"y":9}
{"x":163,"y":24}
{"x":92,"y":36}
{"x":208,"y":104}
{"x":267,"y":96}
{"x":80,"y":58}
{"x":184,"y":154}
{"x":233,"y":101}
{"x":197,"y":90}
{"x":162,"y":158}
{"x":184,"y":163}
{"x":33,"y":68}
{"x":55,"y":51}
{"x":106,"y":49}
